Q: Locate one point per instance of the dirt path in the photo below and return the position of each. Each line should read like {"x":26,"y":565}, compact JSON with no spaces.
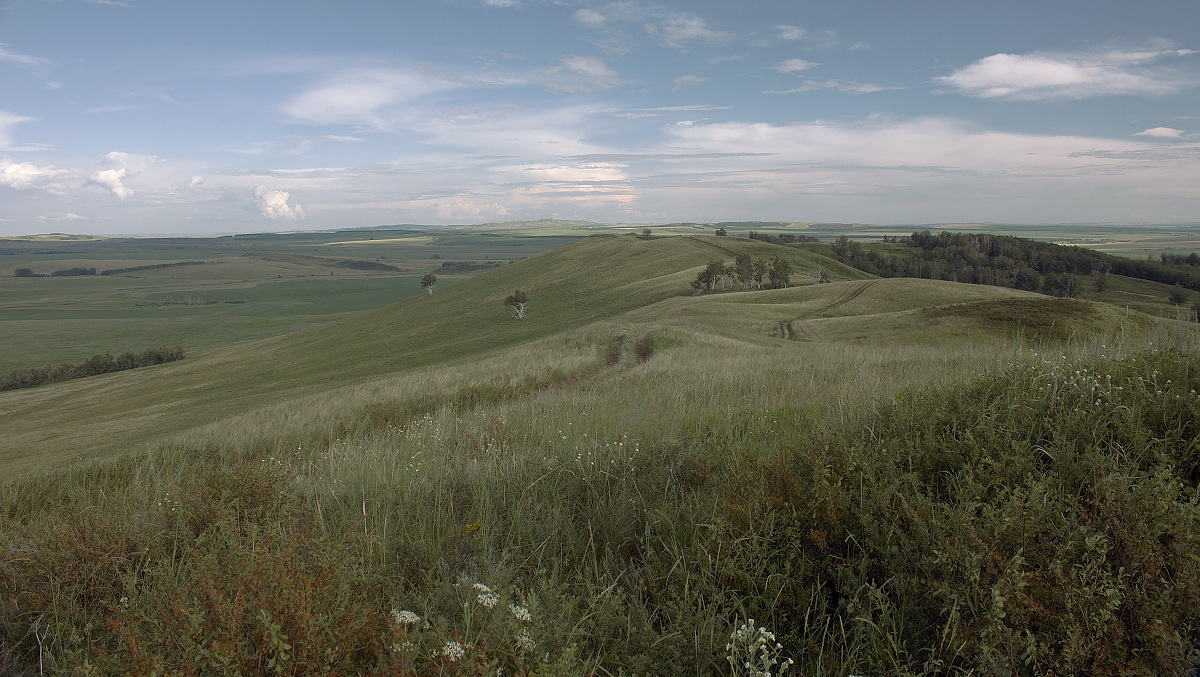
{"x":787,"y":331}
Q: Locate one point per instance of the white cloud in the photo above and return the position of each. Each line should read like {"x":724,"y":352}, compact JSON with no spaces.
{"x":23,"y":175}
{"x":195,"y":182}
{"x":7,"y":120}
{"x":1030,"y":77}
{"x":25,"y":59}
{"x":681,"y":30}
{"x":589,"y":17}
{"x":367,"y":98}
{"x":131,"y":162}
{"x":502,"y":3}
{"x":581,"y":74}
{"x":688,"y":81}
{"x":273,"y":204}
{"x":341,"y":139}
{"x":467,"y":208}
{"x":793,"y":65}
{"x":791,"y":32}
{"x":838,"y":85}
{"x":1162,"y":133}
{"x":112,"y":179}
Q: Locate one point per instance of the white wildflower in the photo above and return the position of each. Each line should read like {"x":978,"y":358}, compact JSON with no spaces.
{"x":453,"y":651}
{"x":404,"y":617}
{"x":525,"y":642}
{"x":486,"y":597}
{"x":520,"y":613}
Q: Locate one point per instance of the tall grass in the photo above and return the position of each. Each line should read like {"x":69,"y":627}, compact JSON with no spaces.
{"x":903,"y":509}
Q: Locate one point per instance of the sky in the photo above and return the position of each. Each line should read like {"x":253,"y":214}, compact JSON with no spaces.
{"x":182,"y":117}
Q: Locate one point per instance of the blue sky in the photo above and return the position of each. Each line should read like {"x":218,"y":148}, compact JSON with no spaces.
{"x":171,"y":116}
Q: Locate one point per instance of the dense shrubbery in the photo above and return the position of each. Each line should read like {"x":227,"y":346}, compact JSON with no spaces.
{"x":1040,"y":520}
{"x":96,"y":364}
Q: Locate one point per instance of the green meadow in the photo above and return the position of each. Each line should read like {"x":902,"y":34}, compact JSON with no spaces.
{"x":346,"y":475}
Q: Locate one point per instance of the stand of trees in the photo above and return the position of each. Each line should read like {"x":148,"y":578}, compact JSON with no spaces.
{"x":745,"y":272}
{"x":1014,"y":262}
{"x":96,"y":364}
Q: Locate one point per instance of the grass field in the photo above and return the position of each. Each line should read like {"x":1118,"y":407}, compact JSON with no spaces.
{"x":895,"y":476}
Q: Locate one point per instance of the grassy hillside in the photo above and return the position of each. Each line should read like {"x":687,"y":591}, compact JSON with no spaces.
{"x":593,"y":279}
{"x":900,"y":476}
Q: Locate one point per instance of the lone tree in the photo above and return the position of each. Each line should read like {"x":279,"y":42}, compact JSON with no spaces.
{"x":721,"y":232}
{"x":646,"y":233}
{"x":517,"y":301}
{"x":429,"y":282}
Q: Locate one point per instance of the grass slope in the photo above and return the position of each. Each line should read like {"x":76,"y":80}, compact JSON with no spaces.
{"x":592,"y":279}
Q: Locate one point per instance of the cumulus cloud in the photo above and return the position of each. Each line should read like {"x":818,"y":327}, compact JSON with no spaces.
{"x":273,"y":204}
{"x":23,"y":175}
{"x":1162,"y":133}
{"x":111,"y":179}
{"x":366,"y":98}
{"x":130,"y":162}
{"x":1040,"y":76}
{"x":793,"y":65}
{"x":581,"y":74}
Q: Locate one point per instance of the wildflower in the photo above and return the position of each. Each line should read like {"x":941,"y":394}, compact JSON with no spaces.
{"x":520,"y":613}
{"x":486,"y":597}
{"x":404,"y":617}
{"x":525,"y":642}
{"x":453,"y":651}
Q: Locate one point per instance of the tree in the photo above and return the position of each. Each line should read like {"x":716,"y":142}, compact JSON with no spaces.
{"x":744,"y":269}
{"x":707,"y":279}
{"x":821,"y":275}
{"x":1178,"y":296}
{"x":720,"y":232}
{"x":517,"y":301}
{"x":780,"y":273}
{"x":760,"y":271}
{"x":646,"y":233}
{"x":23,"y":272}
{"x":429,"y":282}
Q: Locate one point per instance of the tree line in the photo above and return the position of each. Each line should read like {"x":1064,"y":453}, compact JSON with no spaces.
{"x":65,"y":272}
{"x":94,"y":365}
{"x":1008,"y":261}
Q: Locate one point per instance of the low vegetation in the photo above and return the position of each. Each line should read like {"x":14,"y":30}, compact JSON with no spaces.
{"x":656,"y":483}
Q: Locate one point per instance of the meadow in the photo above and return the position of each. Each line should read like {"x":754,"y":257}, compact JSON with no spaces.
{"x":870,"y":476}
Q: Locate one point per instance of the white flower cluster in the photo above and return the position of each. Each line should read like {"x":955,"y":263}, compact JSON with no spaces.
{"x":486,"y":597}
{"x":400,"y":617}
{"x":755,"y":651}
{"x":453,"y":651}
{"x":520,"y":613}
